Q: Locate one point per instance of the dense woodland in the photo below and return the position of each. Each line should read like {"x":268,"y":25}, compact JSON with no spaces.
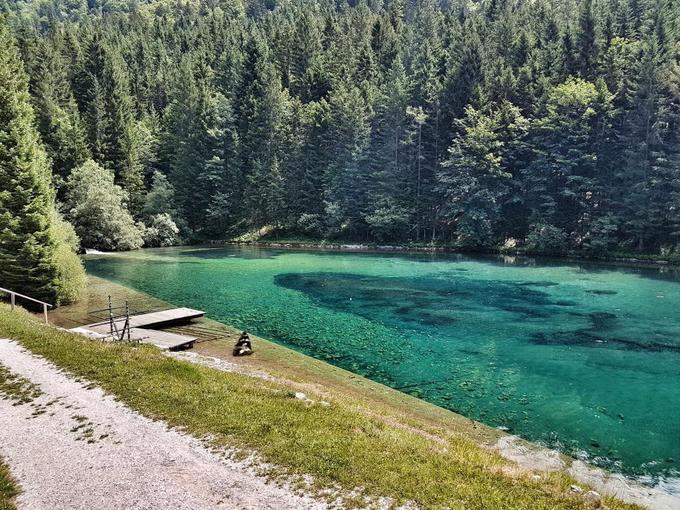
{"x":549,"y":125}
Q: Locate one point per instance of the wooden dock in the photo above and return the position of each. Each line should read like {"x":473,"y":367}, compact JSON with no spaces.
{"x":160,"y":319}
{"x":141,"y":328}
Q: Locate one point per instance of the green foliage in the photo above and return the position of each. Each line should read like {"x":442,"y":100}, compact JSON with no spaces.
{"x":8,"y":489}
{"x":59,"y":119}
{"x":161,"y":201}
{"x":96,"y":207}
{"x":562,"y":176}
{"x":71,"y":279}
{"x":388,"y":221}
{"x":162,"y":231}
{"x":161,"y":197}
{"x":311,"y":224}
{"x":33,"y":254}
{"x":546,"y":238}
{"x":460,"y":125}
{"x":475,"y":180}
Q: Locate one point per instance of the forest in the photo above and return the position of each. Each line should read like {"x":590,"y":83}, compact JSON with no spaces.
{"x":551,"y":126}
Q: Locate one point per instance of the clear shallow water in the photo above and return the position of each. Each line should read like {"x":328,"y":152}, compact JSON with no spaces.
{"x":585,"y":358}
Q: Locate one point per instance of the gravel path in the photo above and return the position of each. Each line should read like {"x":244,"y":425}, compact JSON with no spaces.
{"x":75,"y":447}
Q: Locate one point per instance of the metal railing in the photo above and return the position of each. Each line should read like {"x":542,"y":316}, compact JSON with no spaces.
{"x":13,"y":296}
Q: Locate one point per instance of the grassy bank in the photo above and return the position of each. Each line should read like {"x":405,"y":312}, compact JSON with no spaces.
{"x":338,"y":444}
{"x":8,"y":489}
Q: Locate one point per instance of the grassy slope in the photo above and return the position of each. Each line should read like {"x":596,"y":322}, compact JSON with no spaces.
{"x":7,"y":489}
{"x":338,"y":444}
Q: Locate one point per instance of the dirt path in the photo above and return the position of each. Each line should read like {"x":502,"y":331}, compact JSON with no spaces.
{"x":74,"y":447}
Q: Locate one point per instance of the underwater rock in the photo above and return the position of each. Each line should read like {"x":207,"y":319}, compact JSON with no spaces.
{"x":599,"y":292}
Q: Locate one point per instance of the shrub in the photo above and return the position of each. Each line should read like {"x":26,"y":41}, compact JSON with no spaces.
{"x":546,"y":238}
{"x":71,"y":279}
{"x":389,"y":221}
{"x":162,"y":232}
{"x":97,"y":209}
{"x":600,"y":238}
{"x":475,"y":230}
{"x":310,"y":224}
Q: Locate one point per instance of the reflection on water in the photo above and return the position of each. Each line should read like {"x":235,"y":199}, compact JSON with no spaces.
{"x":582,"y":357}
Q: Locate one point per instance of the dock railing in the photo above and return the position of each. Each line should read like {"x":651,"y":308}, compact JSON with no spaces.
{"x":13,"y":297}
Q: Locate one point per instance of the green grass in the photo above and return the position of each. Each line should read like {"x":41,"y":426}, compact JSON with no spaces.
{"x":17,"y":388}
{"x":8,"y":490}
{"x":337,"y":444}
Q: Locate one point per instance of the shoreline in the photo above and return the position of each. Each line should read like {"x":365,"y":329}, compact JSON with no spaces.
{"x":283,"y":362}
{"x":624,"y":261}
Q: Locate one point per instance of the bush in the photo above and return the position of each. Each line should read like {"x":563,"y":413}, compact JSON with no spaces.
{"x":310,"y":224}
{"x":71,"y":279}
{"x":475,"y":230}
{"x":390,"y":221}
{"x":97,"y":210}
{"x":162,"y":231}
{"x":334,"y":219}
{"x":546,"y":238}
{"x":600,"y":238}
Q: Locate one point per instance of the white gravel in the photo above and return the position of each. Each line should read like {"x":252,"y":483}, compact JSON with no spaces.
{"x":132,"y":463}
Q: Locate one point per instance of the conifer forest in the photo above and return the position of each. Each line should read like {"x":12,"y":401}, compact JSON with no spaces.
{"x":549,"y":125}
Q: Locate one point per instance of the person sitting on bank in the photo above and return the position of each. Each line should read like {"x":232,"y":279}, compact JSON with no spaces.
{"x":243,"y":346}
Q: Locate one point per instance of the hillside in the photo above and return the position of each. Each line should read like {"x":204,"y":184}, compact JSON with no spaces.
{"x":551,"y":126}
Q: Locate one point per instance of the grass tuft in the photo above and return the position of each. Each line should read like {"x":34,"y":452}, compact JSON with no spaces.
{"x":8,"y":489}
{"x":16,"y":388}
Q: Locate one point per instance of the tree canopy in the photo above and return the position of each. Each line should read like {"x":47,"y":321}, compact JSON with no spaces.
{"x":37,"y":254}
{"x":555,"y":124}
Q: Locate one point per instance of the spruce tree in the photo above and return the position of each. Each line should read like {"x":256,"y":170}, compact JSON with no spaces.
{"x":27,"y":241}
{"x":59,"y":120}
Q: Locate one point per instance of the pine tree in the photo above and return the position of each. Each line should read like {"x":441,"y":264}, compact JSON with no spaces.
{"x":59,"y":120}
{"x":346,"y":176}
{"x":586,"y":48}
{"x":560,"y":179}
{"x":334,"y":117}
{"x":475,"y":180}
{"x":261,"y":111}
{"x":390,"y":161}
{"x":28,"y":241}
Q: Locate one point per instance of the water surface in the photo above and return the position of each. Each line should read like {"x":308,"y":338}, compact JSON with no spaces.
{"x":585,"y":358}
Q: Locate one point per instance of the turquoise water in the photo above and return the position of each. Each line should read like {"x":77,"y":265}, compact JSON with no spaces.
{"x":584,"y":358}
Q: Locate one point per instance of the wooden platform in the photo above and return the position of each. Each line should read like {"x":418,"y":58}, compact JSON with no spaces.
{"x":161,"y":339}
{"x":158,"y":319}
{"x":140,"y":328}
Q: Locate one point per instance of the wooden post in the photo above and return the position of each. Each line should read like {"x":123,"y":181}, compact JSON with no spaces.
{"x":110,"y":317}
{"x":45,"y":312}
{"x":127,"y":319}
{"x":12,"y":299}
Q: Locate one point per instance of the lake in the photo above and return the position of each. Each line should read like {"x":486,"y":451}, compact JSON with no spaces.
{"x":580,"y":357}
